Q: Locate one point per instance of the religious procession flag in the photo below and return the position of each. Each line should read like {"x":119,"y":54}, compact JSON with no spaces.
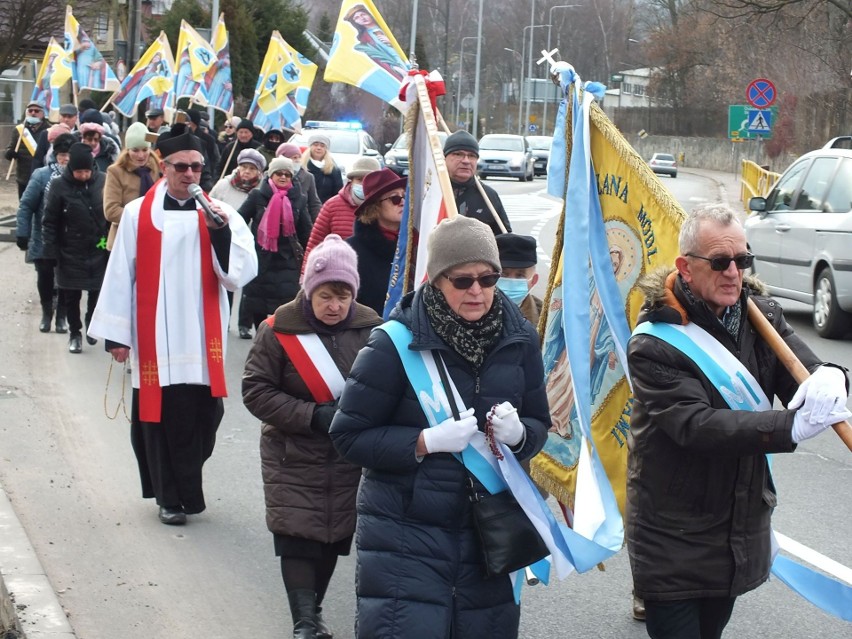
{"x":195,"y":56}
{"x":272,"y":106}
{"x":54,"y":72}
{"x":26,"y":138}
{"x":89,"y":68}
{"x":217,"y":89}
{"x":365,"y":54}
{"x":429,"y":196}
{"x":306,"y":73}
{"x":623,"y":224}
{"x":152,"y":78}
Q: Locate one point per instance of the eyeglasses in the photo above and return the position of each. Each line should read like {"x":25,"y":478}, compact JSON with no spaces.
{"x":396,"y":200}
{"x":182,"y":167}
{"x":285,"y":174}
{"x":462,"y":155}
{"x":464,"y":282}
{"x":33,"y":110}
{"x":229,"y":126}
{"x":722,"y":263}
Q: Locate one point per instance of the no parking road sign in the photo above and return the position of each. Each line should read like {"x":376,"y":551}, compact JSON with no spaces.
{"x":761,"y":93}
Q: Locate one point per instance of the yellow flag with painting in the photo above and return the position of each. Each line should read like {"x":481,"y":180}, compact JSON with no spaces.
{"x":54,"y":73}
{"x":365,"y":54}
{"x":633,"y":224}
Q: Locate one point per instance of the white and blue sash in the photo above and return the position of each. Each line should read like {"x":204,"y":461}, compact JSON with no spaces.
{"x":741,"y":391}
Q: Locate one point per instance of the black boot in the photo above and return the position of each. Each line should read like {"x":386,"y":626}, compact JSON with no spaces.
{"x":303,"y":605}
{"x":323,"y":631}
{"x":61,"y":321}
{"x":46,"y":318}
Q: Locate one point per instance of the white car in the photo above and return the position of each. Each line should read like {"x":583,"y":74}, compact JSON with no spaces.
{"x":506,"y":156}
{"x":348,"y":141}
{"x":801,"y":234}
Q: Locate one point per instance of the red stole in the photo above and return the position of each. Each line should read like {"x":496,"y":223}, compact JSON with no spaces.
{"x":313,"y":377}
{"x":148,"y":263}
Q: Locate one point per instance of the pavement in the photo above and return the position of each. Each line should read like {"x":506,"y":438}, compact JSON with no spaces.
{"x":29,"y":605}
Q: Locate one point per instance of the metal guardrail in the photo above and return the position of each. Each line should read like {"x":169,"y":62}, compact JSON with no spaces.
{"x":755,"y":181}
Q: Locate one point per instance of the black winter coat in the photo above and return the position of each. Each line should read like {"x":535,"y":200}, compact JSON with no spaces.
{"x":375,"y":258}
{"x":699,"y":492}
{"x":327,"y":185}
{"x":470,"y":203}
{"x":419,"y":569}
{"x":74,"y":230}
{"x":277,"y":280}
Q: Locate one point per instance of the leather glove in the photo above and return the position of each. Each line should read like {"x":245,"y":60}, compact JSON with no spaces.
{"x":22,"y":242}
{"x":451,"y":436}
{"x":507,"y":425}
{"x":804,"y":429}
{"x":820,"y":394}
{"x":323,"y":414}
{"x":11,"y":154}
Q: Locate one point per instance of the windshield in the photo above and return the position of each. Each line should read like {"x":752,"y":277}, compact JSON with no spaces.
{"x":665,"y":157}
{"x":540,"y":141}
{"x":501,"y":143}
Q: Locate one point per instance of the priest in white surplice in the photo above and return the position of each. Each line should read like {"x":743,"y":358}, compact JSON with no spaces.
{"x":164,"y":305}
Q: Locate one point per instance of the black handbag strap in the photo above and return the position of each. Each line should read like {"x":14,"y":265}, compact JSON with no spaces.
{"x":445,"y":382}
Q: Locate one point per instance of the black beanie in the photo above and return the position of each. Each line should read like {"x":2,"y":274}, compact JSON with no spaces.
{"x":80,"y":157}
{"x":461,"y":141}
{"x":246,"y":124}
{"x":62,"y":143}
{"x":86,"y":104}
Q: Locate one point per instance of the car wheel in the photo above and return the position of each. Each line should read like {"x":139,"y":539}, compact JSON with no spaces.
{"x":830,"y":321}
{"x":674,"y":175}
{"x":523,"y":178}
{"x":483,"y":177}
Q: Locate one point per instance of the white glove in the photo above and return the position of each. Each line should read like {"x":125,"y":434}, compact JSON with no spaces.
{"x":820,"y":394}
{"x":804,"y":429}
{"x":451,"y":436}
{"x":507,"y":425}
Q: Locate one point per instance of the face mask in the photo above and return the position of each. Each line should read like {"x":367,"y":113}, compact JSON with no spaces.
{"x":297,"y":166}
{"x":515,"y":289}
{"x":31,"y":119}
{"x":358,"y":193}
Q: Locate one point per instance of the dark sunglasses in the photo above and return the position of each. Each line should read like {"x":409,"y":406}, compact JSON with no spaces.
{"x":286,"y":174}
{"x":181,"y":167}
{"x":722,"y":263}
{"x":396,"y":200}
{"x":464,"y":282}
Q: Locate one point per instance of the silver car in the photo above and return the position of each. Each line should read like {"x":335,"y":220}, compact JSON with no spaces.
{"x":506,"y":156}
{"x":801,"y":236}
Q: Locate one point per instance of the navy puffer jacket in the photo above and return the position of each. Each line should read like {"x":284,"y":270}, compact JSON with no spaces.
{"x":419,"y":571}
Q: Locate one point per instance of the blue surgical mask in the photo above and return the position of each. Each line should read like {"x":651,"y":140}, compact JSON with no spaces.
{"x":358,"y":192}
{"x":515,"y":289}
{"x":31,"y":119}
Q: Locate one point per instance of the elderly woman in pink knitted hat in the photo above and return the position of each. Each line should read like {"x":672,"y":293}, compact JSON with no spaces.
{"x":293,"y":376}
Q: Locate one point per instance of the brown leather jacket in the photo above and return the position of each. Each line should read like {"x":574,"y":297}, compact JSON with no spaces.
{"x":309,"y":489}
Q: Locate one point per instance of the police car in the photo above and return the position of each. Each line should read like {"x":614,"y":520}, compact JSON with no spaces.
{"x":349,"y":141}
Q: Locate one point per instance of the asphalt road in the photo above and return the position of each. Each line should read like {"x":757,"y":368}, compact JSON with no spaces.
{"x":71,"y":476}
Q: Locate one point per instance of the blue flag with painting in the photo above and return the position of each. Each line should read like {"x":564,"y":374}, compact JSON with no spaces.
{"x":217,"y":89}
{"x":272,"y":106}
{"x":90,"y":69}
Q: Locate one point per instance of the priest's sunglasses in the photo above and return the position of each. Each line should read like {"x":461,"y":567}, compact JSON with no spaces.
{"x":182,"y":167}
{"x":464,"y":282}
{"x":722,"y":263}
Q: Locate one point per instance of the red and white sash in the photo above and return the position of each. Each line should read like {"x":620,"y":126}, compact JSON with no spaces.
{"x":148,"y":262}
{"x":314,"y":364}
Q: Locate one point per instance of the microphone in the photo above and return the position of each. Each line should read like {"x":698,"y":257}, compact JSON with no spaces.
{"x":196,"y":192}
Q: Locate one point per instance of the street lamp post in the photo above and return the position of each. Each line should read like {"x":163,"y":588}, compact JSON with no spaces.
{"x":478,"y":67}
{"x":461,"y":63}
{"x":528,"y":94}
{"x":520,"y":87}
{"x":549,"y":29}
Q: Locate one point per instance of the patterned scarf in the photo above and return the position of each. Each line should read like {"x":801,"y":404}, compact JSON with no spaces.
{"x":277,"y":216}
{"x":732,"y":317}
{"x":244,"y":185}
{"x":472,"y":340}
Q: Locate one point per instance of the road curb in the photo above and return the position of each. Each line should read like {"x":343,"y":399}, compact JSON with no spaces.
{"x":28,"y":603}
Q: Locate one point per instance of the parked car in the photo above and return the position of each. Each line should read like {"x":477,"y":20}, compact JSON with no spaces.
{"x":540,"y":147}
{"x":396,"y":159}
{"x":349,"y":141}
{"x":505,"y":156}
{"x":663,"y":164}
{"x":801,"y":235}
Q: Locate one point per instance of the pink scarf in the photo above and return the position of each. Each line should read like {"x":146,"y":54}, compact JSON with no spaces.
{"x":278,"y":214}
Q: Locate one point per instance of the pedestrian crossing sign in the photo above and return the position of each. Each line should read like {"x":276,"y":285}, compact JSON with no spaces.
{"x":759,"y":121}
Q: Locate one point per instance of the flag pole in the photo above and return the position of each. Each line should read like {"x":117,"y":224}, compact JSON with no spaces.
{"x":790,"y":361}
{"x":12,"y":163}
{"x":230,"y":155}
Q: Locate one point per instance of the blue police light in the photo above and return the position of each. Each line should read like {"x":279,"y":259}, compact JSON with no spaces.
{"x":352,"y":125}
